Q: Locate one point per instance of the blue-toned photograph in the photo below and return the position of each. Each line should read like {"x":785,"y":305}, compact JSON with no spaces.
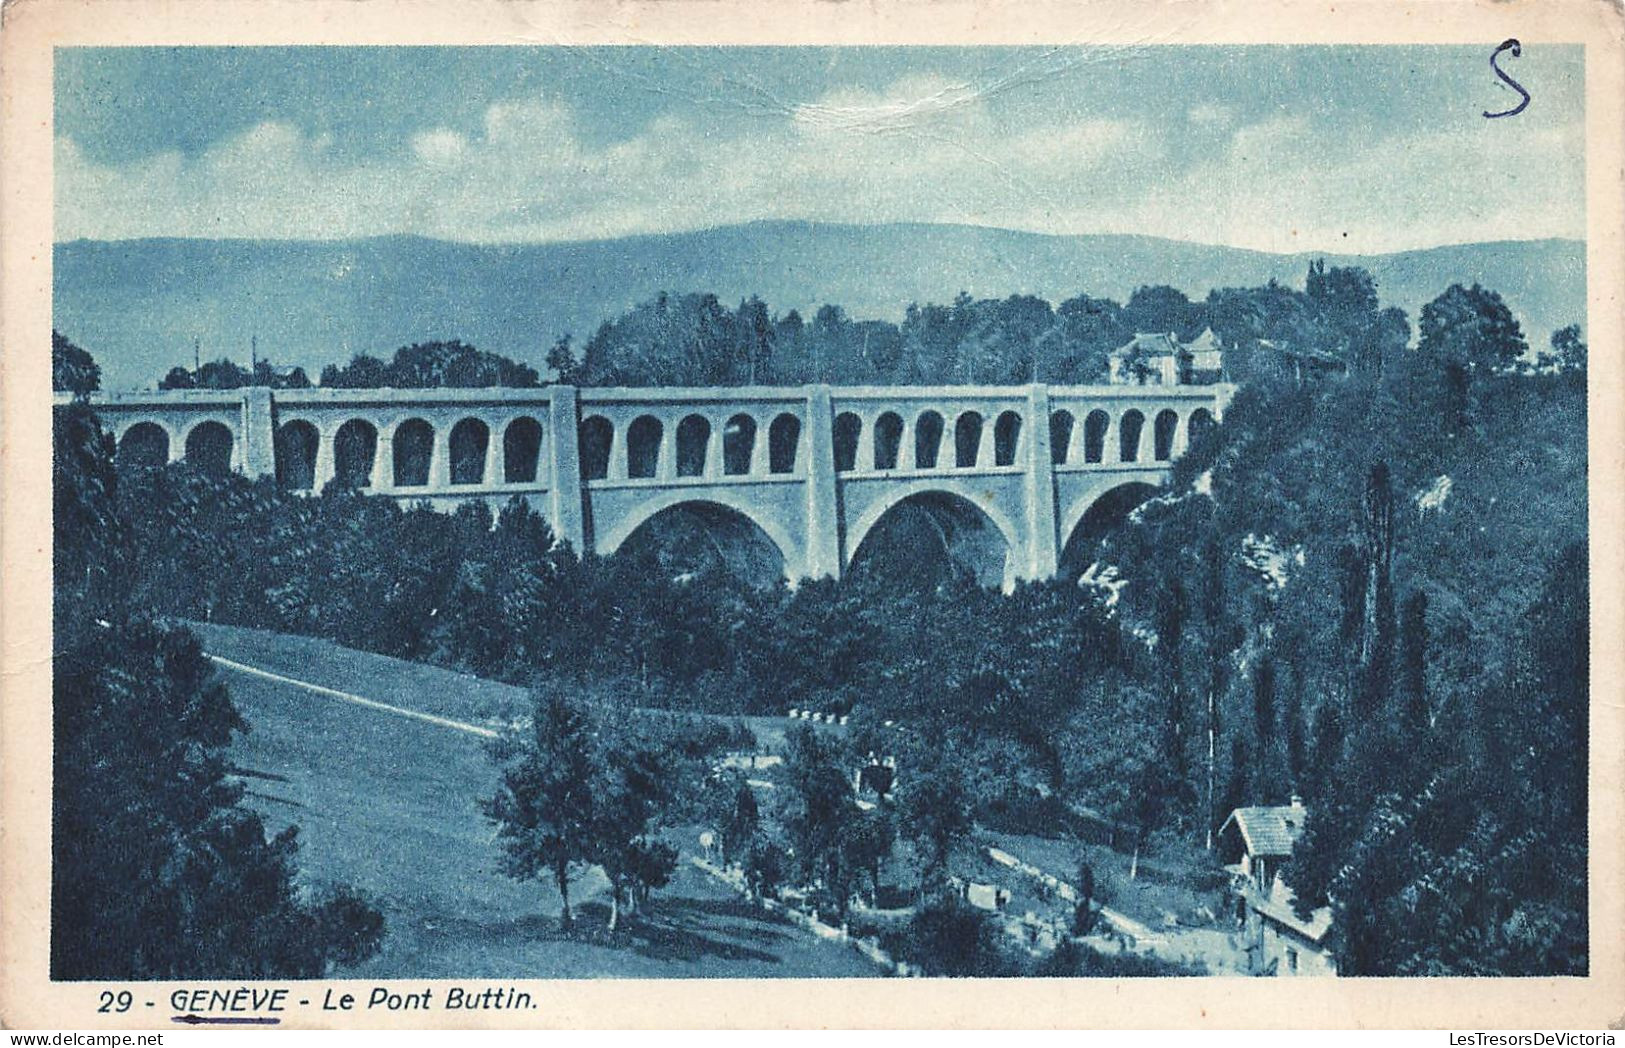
{"x":562,"y":512}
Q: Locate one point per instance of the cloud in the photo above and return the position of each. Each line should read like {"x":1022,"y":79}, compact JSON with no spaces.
{"x":915,"y":103}
{"x":924,"y":148}
{"x":440,"y":146}
{"x":1209,"y":114}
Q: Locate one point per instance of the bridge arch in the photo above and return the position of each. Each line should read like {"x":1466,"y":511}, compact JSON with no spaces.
{"x":928,"y":439}
{"x":738,"y":445}
{"x":957,"y":499}
{"x":967,"y":439}
{"x":469,"y":446}
{"x":643,"y":438}
{"x":296,"y":445}
{"x":210,"y":447}
{"x":783,"y":440}
{"x":355,"y":450}
{"x":1128,"y":431}
{"x":521,"y":450}
{"x":1095,"y":428}
{"x":597,"y":442}
{"x":1163,"y":432}
{"x":1092,"y":515}
{"x":1198,"y":426}
{"x":888,"y":440}
{"x":735,"y":504}
{"x":1061,"y":425}
{"x":846,"y":434}
{"x":145,"y":443}
{"x":1006,"y":438}
{"x":413,"y":451}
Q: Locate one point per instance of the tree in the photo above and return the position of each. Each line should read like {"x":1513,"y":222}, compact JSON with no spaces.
{"x":1084,"y":915}
{"x":72,"y":369}
{"x":823,"y":811}
{"x":867,"y":842}
{"x":157,"y":871}
{"x":1269,"y":776}
{"x":936,"y":814}
{"x":1471,"y":327}
{"x":1415,"y":719}
{"x":1568,"y":349}
{"x":949,"y":937}
{"x":740,"y":833}
{"x":561,"y":359}
{"x":545,"y":809}
{"x":1376,"y":615}
{"x":177,"y":377}
{"x":631,"y":789}
{"x":1172,"y":615}
{"x":434,"y":365}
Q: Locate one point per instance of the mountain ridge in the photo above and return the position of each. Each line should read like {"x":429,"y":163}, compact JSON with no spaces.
{"x":137,"y":305}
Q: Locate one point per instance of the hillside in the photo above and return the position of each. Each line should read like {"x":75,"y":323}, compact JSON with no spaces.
{"x":139,"y":304}
{"x":389,"y":804}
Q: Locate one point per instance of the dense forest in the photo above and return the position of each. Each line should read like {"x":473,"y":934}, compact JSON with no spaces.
{"x":1367,"y":589}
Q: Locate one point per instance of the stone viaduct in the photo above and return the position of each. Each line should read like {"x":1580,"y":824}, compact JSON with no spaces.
{"x":814,"y":468}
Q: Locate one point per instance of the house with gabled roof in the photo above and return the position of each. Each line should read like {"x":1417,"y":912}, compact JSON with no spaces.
{"x":1254,"y":844}
{"x":1159,"y":358}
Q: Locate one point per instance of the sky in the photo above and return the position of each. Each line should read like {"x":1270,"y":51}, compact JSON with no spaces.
{"x":1343,"y":149}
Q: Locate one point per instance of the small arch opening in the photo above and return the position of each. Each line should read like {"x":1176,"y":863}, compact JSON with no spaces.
{"x":967,"y":439}
{"x":1129,"y":435}
{"x":1061,"y":424}
{"x":1006,"y":438}
{"x":738,"y":444}
{"x":208,"y":447}
{"x":597,"y":438}
{"x":783,"y":436}
{"x":1199,"y":427}
{"x":693,"y":441}
{"x":296,"y":444}
{"x":521,"y":451}
{"x":414,"y":451}
{"x":1162,"y":434}
{"x":144,"y":444}
{"x":1094,"y":435}
{"x":470,"y":441}
{"x":354,"y":447}
{"x":643,"y":446}
{"x":848,"y":427}
{"x":928,"y":440}
{"x":888,"y":440}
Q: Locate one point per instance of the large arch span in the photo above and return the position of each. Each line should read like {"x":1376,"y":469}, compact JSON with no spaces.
{"x":921,"y":527}
{"x":725,"y":517}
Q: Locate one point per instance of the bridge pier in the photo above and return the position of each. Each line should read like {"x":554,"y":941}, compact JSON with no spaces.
{"x":564,"y":466}
{"x":258,"y":444}
{"x":823,"y":506}
{"x":1044,"y":548}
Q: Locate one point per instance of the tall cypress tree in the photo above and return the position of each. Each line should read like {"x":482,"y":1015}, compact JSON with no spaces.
{"x":1377,"y":618}
{"x":1415,"y":718}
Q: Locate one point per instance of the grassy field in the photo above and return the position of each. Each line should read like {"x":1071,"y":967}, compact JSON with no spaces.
{"x":389,"y":804}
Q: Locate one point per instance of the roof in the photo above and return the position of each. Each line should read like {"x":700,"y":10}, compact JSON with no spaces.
{"x":1154,"y":344}
{"x":1206,"y":342}
{"x":1268,"y":830}
{"x":1278,"y":906}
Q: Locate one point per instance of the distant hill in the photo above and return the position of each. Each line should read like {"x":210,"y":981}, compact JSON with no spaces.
{"x":138,"y":304}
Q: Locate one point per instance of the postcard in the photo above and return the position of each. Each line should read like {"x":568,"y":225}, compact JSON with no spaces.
{"x":959,"y":514}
